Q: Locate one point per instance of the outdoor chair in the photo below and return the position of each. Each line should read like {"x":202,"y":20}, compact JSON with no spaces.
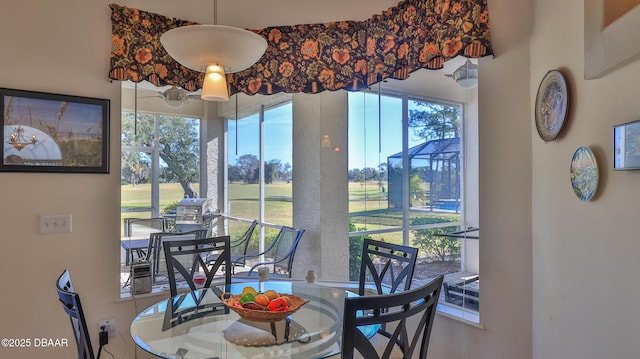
{"x":187,"y":257}
{"x":410,"y":313}
{"x":142,"y":227}
{"x":138,"y":228}
{"x":239,"y":246}
{"x":71,"y":304}
{"x":155,"y":253}
{"x":278,"y":256}
{"x":389,"y":267}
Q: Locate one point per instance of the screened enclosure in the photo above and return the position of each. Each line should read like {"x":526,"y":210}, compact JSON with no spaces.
{"x":434,"y":169}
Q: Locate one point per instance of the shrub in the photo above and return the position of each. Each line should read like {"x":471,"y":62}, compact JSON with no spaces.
{"x":355,"y":252}
{"x":428,"y":240}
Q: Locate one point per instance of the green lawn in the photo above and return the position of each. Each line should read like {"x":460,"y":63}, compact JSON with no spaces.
{"x":367,"y":204}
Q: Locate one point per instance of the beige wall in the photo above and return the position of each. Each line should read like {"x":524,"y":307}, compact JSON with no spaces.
{"x":558,"y":276}
{"x":584,"y":254}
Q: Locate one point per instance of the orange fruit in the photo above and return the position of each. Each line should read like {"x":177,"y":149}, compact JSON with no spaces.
{"x":272,"y":294}
{"x":249,"y":289}
{"x":262,"y":299}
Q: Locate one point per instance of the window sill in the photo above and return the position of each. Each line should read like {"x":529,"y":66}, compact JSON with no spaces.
{"x":460,"y":314}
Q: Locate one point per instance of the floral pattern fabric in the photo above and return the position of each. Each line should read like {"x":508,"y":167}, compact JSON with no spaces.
{"x":311,"y":58}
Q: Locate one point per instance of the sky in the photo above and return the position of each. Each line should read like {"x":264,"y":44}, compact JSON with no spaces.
{"x":363,"y":131}
{"x":79,"y":118}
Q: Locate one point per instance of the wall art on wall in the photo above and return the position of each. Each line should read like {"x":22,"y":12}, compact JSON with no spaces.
{"x":584,"y":173}
{"x":626,"y":146}
{"x":46,"y":132}
{"x":552,"y":103}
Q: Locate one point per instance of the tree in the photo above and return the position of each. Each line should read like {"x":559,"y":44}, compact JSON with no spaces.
{"x":180,"y":150}
{"x":249,"y":165}
{"x":235,"y":174}
{"x":435,"y":121}
{"x":178,"y":143}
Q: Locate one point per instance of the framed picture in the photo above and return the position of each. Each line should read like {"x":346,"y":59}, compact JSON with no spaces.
{"x":46,"y":132}
{"x":626,"y":146}
{"x":552,"y":103}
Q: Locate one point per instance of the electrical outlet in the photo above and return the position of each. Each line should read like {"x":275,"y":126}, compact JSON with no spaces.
{"x":109,"y":325}
{"x":57,"y":223}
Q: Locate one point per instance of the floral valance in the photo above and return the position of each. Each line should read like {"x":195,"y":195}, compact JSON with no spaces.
{"x":310,"y":58}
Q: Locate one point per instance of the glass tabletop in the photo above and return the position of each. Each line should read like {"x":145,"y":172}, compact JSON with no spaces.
{"x":198,"y":325}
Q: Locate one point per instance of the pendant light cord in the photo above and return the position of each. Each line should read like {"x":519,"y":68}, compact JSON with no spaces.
{"x":236,"y":125}
{"x":135,"y":111}
{"x":215,"y":12}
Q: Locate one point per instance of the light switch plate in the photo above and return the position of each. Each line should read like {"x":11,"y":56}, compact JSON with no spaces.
{"x":57,"y":223}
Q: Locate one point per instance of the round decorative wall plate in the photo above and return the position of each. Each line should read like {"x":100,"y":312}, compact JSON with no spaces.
{"x":584,"y":173}
{"x":552,"y":103}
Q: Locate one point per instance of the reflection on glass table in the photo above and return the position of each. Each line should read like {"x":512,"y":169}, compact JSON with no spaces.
{"x":198,"y":325}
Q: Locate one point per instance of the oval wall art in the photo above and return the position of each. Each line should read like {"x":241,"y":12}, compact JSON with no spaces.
{"x":552,"y":103}
{"x":584,"y":173}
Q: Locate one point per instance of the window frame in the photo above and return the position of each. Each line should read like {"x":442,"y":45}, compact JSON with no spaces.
{"x":470,"y":316}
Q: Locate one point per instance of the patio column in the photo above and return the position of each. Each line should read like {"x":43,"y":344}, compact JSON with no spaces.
{"x":212,"y":159}
{"x":320,"y":187}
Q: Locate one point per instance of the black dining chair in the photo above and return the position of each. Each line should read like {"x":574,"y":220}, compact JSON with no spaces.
{"x":387,"y":266}
{"x":155,"y":251}
{"x":71,"y":304}
{"x":187,"y":257}
{"x":410,"y":313}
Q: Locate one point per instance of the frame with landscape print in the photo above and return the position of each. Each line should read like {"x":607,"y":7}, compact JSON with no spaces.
{"x":46,"y":132}
{"x":626,"y":146}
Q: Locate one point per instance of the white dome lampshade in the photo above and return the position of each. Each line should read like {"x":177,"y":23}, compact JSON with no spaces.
{"x":215,"y":50}
{"x":466,"y":76}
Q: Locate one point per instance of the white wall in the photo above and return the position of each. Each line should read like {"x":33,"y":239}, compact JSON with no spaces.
{"x":63,"y":47}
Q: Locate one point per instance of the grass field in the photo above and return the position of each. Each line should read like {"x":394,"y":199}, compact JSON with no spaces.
{"x":367,"y":204}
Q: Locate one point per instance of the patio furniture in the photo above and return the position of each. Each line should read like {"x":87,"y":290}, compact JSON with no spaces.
{"x":409,"y":313}
{"x":71,"y":304}
{"x":155,"y":253}
{"x":142,"y":227}
{"x":465,"y":293}
{"x":139,"y":229}
{"x":278,"y":256}
{"x":239,"y":246}
{"x":185,"y":258}
{"x":389,"y":267}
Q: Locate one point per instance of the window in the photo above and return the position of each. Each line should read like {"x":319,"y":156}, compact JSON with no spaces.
{"x":259,"y":167}
{"x":160,"y":165}
{"x":407,"y":185}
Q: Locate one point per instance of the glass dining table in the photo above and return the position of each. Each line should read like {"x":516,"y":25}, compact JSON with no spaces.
{"x":197,"y":325}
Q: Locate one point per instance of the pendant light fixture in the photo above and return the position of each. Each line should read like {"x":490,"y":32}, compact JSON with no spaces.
{"x":214,"y":50}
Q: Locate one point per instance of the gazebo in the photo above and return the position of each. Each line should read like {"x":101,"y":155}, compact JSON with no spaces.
{"x":434,"y":171}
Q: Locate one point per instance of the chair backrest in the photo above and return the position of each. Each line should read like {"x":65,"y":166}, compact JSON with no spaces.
{"x":155,"y":253}
{"x":285,"y":250}
{"x":71,"y":304}
{"x":186,"y":257}
{"x":239,"y":246}
{"x":410,"y":313}
{"x":388,"y":266}
{"x":138,"y":227}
